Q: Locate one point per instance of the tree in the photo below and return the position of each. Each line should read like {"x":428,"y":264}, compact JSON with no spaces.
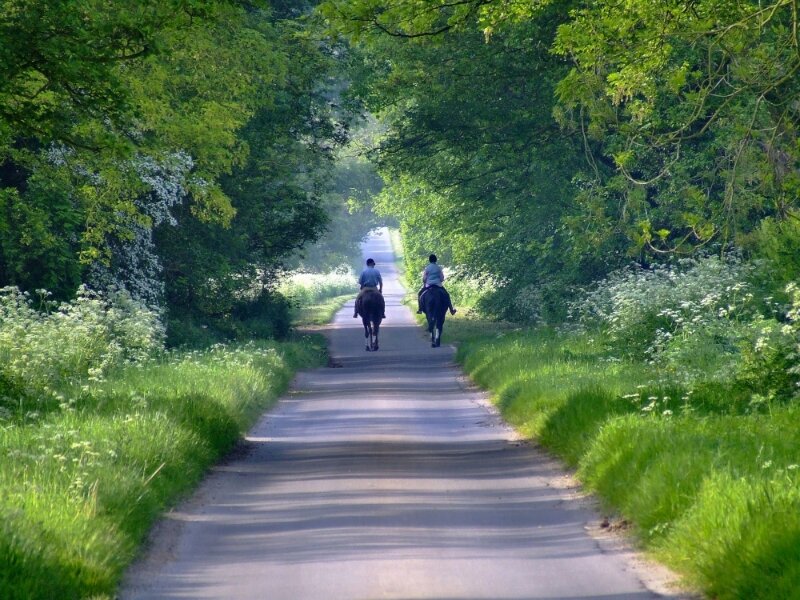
{"x":674,"y":129}
{"x":278,"y":190}
{"x":477,"y":169}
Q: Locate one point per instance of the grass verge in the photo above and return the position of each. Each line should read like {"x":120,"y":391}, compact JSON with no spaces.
{"x":80,"y":487}
{"x":320,"y":313}
{"x":711,"y":484}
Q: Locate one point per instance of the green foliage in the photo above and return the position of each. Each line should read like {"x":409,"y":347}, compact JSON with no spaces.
{"x":348,"y":205}
{"x":315,"y":297}
{"x":709,"y":483}
{"x":266,"y":315}
{"x":644,"y":310}
{"x":776,"y":244}
{"x":706,"y":148}
{"x":61,"y":61}
{"x":278,"y":192}
{"x":477,"y":169}
{"x":771,"y":365}
{"x":699,"y":321}
{"x":39,"y":233}
{"x":423,"y":18}
{"x":209,"y":123}
{"x":46,"y":348}
{"x":81,"y":487}
{"x":542,"y":145}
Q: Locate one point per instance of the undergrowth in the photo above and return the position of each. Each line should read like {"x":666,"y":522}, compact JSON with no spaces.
{"x":80,"y":485}
{"x":710,"y":480}
{"x":102,"y":428}
{"x":316,"y":297}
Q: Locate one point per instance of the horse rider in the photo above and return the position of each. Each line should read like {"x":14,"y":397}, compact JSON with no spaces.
{"x":433,"y":275}
{"x":369,"y":280}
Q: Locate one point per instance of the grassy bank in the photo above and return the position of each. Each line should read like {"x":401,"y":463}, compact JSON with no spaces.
{"x":709,"y":479}
{"x":81,"y":484}
{"x":316,"y":297}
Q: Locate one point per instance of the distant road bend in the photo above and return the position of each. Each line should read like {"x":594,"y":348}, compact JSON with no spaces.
{"x":383,"y":478}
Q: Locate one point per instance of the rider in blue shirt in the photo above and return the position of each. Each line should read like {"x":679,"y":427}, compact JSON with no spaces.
{"x":370,"y":279}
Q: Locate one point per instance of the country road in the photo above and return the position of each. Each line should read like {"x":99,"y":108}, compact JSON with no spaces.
{"x":384,"y":477}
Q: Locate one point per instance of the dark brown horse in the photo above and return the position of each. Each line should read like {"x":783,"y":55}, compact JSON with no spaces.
{"x":434,"y":303}
{"x":371,"y":311}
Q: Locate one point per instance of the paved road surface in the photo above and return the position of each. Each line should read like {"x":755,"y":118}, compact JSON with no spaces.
{"x":384,"y":478}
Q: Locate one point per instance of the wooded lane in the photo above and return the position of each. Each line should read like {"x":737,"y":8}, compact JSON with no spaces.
{"x":382,"y":476}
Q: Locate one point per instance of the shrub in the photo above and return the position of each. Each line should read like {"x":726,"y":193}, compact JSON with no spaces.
{"x":268,"y":316}
{"x":693,"y":318}
{"x":644,"y":308}
{"x":46,"y":347}
{"x":771,"y":362}
{"x":304,"y":289}
{"x":776,"y":244}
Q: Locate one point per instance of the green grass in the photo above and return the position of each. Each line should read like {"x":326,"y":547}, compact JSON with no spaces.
{"x":80,"y":488}
{"x":316,"y":297}
{"x":398,"y":250}
{"x":320,"y":313}
{"x":711,"y":484}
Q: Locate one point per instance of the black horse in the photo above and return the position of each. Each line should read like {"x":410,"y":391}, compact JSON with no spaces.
{"x":371,"y":311}
{"x":434,"y":305}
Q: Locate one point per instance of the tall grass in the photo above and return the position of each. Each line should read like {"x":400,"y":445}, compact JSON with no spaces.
{"x":102,"y":429}
{"x":305,"y":289}
{"x":709,"y":479}
{"x":81,"y":485}
{"x":316,"y":297}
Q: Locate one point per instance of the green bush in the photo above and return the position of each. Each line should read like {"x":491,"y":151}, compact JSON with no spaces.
{"x":644,"y":310}
{"x":304,"y":289}
{"x":267,"y":316}
{"x":775,"y":246}
{"x":46,"y":347}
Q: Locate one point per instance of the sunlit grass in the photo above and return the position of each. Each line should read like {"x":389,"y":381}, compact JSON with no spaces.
{"x":305,"y":289}
{"x":709,"y":482}
{"x":316,"y":297}
{"x":79,"y":488}
{"x":322,"y":312}
{"x":399,"y":251}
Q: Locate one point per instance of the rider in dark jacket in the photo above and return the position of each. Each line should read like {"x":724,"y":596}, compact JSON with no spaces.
{"x":433,"y":275}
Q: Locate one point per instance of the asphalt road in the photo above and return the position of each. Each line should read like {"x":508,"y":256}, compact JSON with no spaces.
{"x":383,"y":477}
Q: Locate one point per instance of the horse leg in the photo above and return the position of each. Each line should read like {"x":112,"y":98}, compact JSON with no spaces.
{"x":376,"y":327}
{"x":367,"y":334}
{"x":439,"y":326}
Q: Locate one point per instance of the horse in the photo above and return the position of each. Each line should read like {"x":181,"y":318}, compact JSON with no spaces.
{"x":371,"y":311}
{"x":434,"y":305}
